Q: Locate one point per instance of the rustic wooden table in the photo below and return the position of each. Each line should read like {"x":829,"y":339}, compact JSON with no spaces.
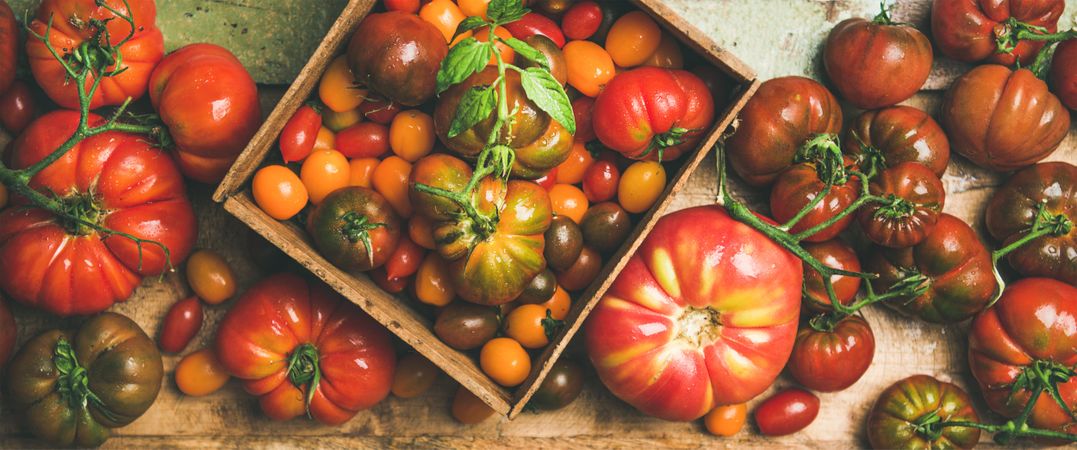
{"x":775,"y":37}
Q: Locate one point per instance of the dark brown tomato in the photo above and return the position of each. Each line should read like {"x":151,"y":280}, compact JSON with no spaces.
{"x":898,"y":134}
{"x":967,"y":30}
{"x":582,"y":272}
{"x":835,"y":254}
{"x":834,"y":357}
{"x":564,"y":242}
{"x":540,"y":289}
{"x":466,"y":326}
{"x":606,"y":226}
{"x":397,"y":55}
{"x":916,"y":200}
{"x":876,"y":63}
{"x":547,"y":47}
{"x":561,"y":386}
{"x":355,"y":228}
{"x":798,"y":187}
{"x":893,"y":419}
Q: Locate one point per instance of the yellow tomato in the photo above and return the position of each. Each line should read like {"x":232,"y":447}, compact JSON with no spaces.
{"x":199,"y":374}
{"x":568,"y":200}
{"x":590,"y":67}
{"x":411,"y":135}
{"x":433,"y":285}
{"x":632,"y":39}
{"x":279,"y":192}
{"x":361,"y":171}
{"x":444,"y":15}
{"x":641,"y":185}
{"x":391,"y":181}
{"x":572,"y":170}
{"x":210,"y":277}
{"x":337,"y":88}
{"x":323,"y":172}
{"x":505,"y":361}
{"x":474,"y":8}
{"x":325,"y":140}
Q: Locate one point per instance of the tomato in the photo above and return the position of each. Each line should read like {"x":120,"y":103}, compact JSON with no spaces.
{"x":899,"y":134}
{"x":444,"y":15}
{"x":551,"y":8}
{"x":918,"y":197}
{"x":361,"y":171}
{"x":76,"y":22}
{"x":405,"y":260}
{"x":558,"y":67}
{"x":9,"y":332}
{"x":323,"y":172}
{"x":798,"y":187}
{"x":667,"y":335}
{"x":786,"y":412}
{"x":3,"y":196}
{"x":408,"y":6}
{"x":377,"y":109}
{"x":606,"y":226}
{"x":600,"y":181}
{"x":433,"y":283}
{"x":210,"y":277}
{"x":835,"y":254}
{"x":476,"y":8}
{"x":547,"y":181}
{"x":582,"y":20}
{"x":181,"y":324}
{"x":411,"y":135}
{"x":398,"y":54}
{"x":338,"y":121}
{"x":902,"y":406}
{"x":957,"y":269}
{"x":528,"y":325}
{"x":505,"y":361}
{"x":641,"y":185}
{"x":209,"y":102}
{"x":325,"y":140}
{"x":1014,"y":206}
{"x":303,"y":349}
{"x":650,"y":112}
{"x":564,"y":242}
{"x":297,"y":137}
{"x":582,"y":272}
{"x":9,"y":46}
{"x":17,"y":107}
{"x":582,"y":110}
{"x":833,"y":357}
{"x":967,"y":30}
{"x":421,"y":231}
{"x":782,"y":115}
{"x":506,"y":52}
{"x":391,"y":180}
{"x":573,"y":169}
{"x":1063,"y":74}
{"x":337,"y":88}
{"x":113,"y":179}
{"x":363,"y":140}
{"x":668,"y":54}
{"x":466,"y":326}
{"x":414,"y":376}
{"x":568,"y":200}
{"x":200,"y":373}
{"x":876,"y":63}
{"x":726,"y":420}
{"x":1003,"y":119}
{"x":590,"y":67}
{"x":532,"y":24}
{"x":559,"y":304}
{"x":279,"y":192}
{"x":1031,"y":325}
{"x":355,"y":229}
{"x":539,"y":289}
{"x":632,"y":39}
{"x":561,"y":386}
{"x":390,"y":285}
{"x":469,"y":409}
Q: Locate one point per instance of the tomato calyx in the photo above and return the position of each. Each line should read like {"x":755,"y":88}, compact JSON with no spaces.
{"x":699,"y":326}
{"x":896,"y":208}
{"x":73,"y":382}
{"x":1045,"y":223}
{"x":672,"y":138}
{"x":304,"y":371}
{"x":83,"y":214}
{"x":357,"y":229}
{"x":1010,"y":32}
{"x":551,"y":326}
{"x":823,"y":151}
{"x":883,"y":18}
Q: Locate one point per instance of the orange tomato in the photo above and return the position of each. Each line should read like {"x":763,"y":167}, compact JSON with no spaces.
{"x":589,"y":67}
{"x":323,"y":172}
{"x":632,"y":39}
{"x":525,"y":324}
{"x":558,"y":304}
{"x":279,"y":192}
{"x":473,"y":7}
{"x":433,"y":285}
{"x":391,"y":181}
{"x":336,"y":121}
{"x":505,"y":361}
{"x":483,"y":35}
{"x":469,"y":409}
{"x":641,"y":185}
{"x":199,"y":374}
{"x":445,"y":16}
{"x":337,"y":88}
{"x":568,"y":200}
{"x":572,"y":170}
{"x":421,"y":231}
{"x":414,"y":375}
{"x":325,"y":140}
{"x":361,"y":171}
{"x":726,"y":420}
{"x":210,"y":277}
{"x":668,"y":55}
{"x":411,"y":135}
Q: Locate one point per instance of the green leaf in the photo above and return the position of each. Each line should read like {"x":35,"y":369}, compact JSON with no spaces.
{"x":465,"y":58}
{"x":505,"y":11}
{"x":541,"y":87}
{"x":468,"y":24}
{"x":527,"y":51}
{"x":477,"y":104}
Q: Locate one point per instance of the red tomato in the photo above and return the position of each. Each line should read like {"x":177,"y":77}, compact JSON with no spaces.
{"x":582,"y":108}
{"x":835,"y":254}
{"x":181,"y":325}
{"x":9,"y":46}
{"x":70,"y":29}
{"x":798,"y":187}
{"x":298,"y":136}
{"x":390,"y":285}
{"x":9,"y":331}
{"x":408,"y":6}
{"x":920,"y":196}
{"x":900,"y":134}
{"x":648,"y":111}
{"x":534,"y":23}
{"x":210,"y":104}
{"x":1063,"y":74}
{"x":967,"y":30}
{"x":547,"y":181}
{"x":786,"y":412}
{"x":876,"y":63}
{"x":600,"y":181}
{"x":305,"y":350}
{"x":17,"y":108}
{"x":405,"y":260}
{"x":582,"y":20}
{"x":834,"y":357}
{"x":670,"y":336}
{"x":364,"y":140}
{"x":67,"y":269}
{"x":379,"y":109}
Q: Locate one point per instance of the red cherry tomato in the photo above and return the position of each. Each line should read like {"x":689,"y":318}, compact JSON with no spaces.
{"x":581,"y":108}
{"x":298,"y":136}
{"x":786,"y":412}
{"x":379,"y":109}
{"x":408,"y":6}
{"x":582,"y":20}
{"x":833,"y":357}
{"x":600,"y":181}
{"x":364,"y":140}
{"x":390,"y":285}
{"x":547,"y":181}
{"x":405,"y":260}
{"x":534,"y":23}
{"x":17,"y":107}
{"x":181,"y":325}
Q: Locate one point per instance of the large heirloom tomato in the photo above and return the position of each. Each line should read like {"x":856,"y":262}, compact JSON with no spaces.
{"x":916,"y":199}
{"x":1013,"y":208}
{"x":833,"y":357}
{"x":9,"y":46}
{"x":783,"y":114}
{"x":1063,"y":73}
{"x":114,"y":180}
{"x":898,"y":134}
{"x":967,"y":30}
{"x":876,"y":63}
{"x":74,"y":23}
{"x":71,"y":388}
{"x":1030,"y":329}
{"x":704,"y":314}
{"x":955,"y":268}
{"x":355,"y":228}
{"x":905,"y":405}
{"x":649,"y":111}
{"x":303,"y":349}
{"x":800,"y":186}
{"x":1003,"y":119}
{"x":397,"y":55}
{"x":210,"y":104}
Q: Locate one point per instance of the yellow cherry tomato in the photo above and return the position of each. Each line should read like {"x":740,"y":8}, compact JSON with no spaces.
{"x":572,"y":170}
{"x":361,"y":171}
{"x":726,"y":420}
{"x":505,"y":361}
{"x":558,"y":304}
{"x":325,"y":140}
{"x":444,"y":15}
{"x":414,"y":375}
{"x":336,"y":121}
{"x":338,"y":89}
{"x":279,"y":192}
{"x":421,"y":231}
{"x":568,"y":200}
{"x":391,"y":181}
{"x":476,"y":8}
{"x":199,"y":374}
{"x":632,"y":39}
{"x":525,"y":324}
{"x":433,"y":285}
{"x":411,"y":135}
{"x":469,"y":409}
{"x":641,"y":185}
{"x":323,"y":172}
{"x":589,"y":67}
{"x":210,"y":277}
{"x":668,"y":55}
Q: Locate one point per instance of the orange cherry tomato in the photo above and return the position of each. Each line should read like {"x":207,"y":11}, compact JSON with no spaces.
{"x":199,"y":374}
{"x":336,"y":121}
{"x":726,"y":420}
{"x":632,"y":39}
{"x":589,"y":67}
{"x":641,"y":185}
{"x":279,"y":192}
{"x":411,"y":135}
{"x":568,"y":200}
{"x":338,"y":89}
{"x":414,"y":375}
{"x":323,"y":172}
{"x":473,"y":8}
{"x":483,"y":35}
{"x":433,"y":285}
{"x":505,"y":361}
{"x":469,"y":409}
{"x":361,"y":171}
{"x":572,"y":170}
{"x":525,"y":324}
{"x":558,"y":304}
{"x":668,"y":55}
{"x":326,"y":140}
{"x":444,"y":15}
{"x":391,"y":180}
{"x":210,"y":277}
{"x":421,"y":231}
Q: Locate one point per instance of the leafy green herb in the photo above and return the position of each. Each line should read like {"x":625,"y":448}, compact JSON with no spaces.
{"x":476,"y":105}
{"x":541,"y":87}
{"x":468,"y":24}
{"x":527,"y":51}
{"x":465,"y":58}
{"x":505,"y":11}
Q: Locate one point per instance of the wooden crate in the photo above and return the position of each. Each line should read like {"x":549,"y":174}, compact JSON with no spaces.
{"x":397,"y":315}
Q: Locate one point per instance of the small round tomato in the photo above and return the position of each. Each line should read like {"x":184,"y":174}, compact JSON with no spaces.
{"x":337,"y":121}
{"x":835,"y":254}
{"x":535,"y":24}
{"x":798,"y":187}
{"x":390,"y":285}
{"x":582,"y":272}
{"x":361,"y":171}
{"x":200,"y":373}
{"x":528,"y":325}
{"x":590,"y":67}
{"x":323,"y":172}
{"x":408,"y":6}
{"x":210,"y":277}
{"x":421,"y":231}
{"x":786,"y":412}
{"x":561,"y":387}
{"x":279,"y":192}
{"x":582,"y":20}
{"x":325,"y":140}
{"x":606,"y":226}
{"x":391,"y":180}
{"x":581,"y":108}
{"x":469,"y":409}
{"x":726,"y":420}
{"x":181,"y":324}
{"x":916,"y":197}
{"x":558,"y":304}
{"x":473,"y":8}
{"x":564,"y":242}
{"x":379,"y":109}
{"x":505,"y":361}
{"x":540,"y":289}
{"x":433,"y":284}
{"x":363,"y":140}
{"x":17,"y":107}
{"x":414,"y":375}
{"x":405,"y":260}
{"x":832,"y":357}
{"x":411,"y":136}
{"x":337,"y":89}
{"x":355,"y":229}
{"x":443,"y":15}
{"x":632,"y":39}
{"x":466,"y":326}
{"x":506,"y":52}
{"x":668,"y":55}
{"x":600,"y":181}
{"x":299,"y":133}
{"x":641,"y":185}
{"x":573,"y":169}
{"x":568,"y":200}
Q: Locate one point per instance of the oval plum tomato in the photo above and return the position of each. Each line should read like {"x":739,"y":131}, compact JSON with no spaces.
{"x":915,"y":197}
{"x":582,"y":109}
{"x":363,"y":140}
{"x":200,"y":373}
{"x":582,"y":272}
{"x":1063,"y":74}
{"x":561,"y":387}
{"x":505,"y":361}
{"x":641,"y":185}
{"x":668,"y":54}
{"x":1028,"y":331}
{"x":398,"y":54}
{"x":568,"y":200}
{"x":299,"y":133}
{"x":9,"y":46}
{"x":421,"y":231}
{"x":391,"y":180}
{"x":951,"y":264}
{"x":405,"y":260}
{"x":390,"y":285}
{"x":800,"y":186}
{"x":466,"y":326}
{"x":564,"y":242}
{"x":338,"y":121}
{"x":9,"y":332}
{"x":181,"y":324}
{"x":414,"y":376}
{"x":444,"y":15}
{"x":475,"y":8}
{"x":210,"y":277}
{"x":76,"y":22}
{"x":833,"y":356}
{"x":378,"y":109}
{"x":1003,"y":119}
{"x":582,"y":20}
{"x":650,"y":112}
{"x":590,"y":67}
{"x":17,"y":107}
{"x":532,"y":24}
{"x":786,"y":412}
{"x":323,"y":172}
{"x":411,"y":135}
{"x":304,"y":350}
{"x":895,"y":135}
{"x":337,"y":88}
{"x":835,"y":254}
{"x":600,"y":181}
{"x":279,"y":192}
{"x":632,"y":39}
{"x":408,"y":6}
{"x":968,"y":30}
{"x":469,"y":409}
{"x":355,"y":229}
{"x":905,"y":404}
{"x":528,"y":325}
{"x":606,"y":226}
{"x":115,"y":180}
{"x":572,"y":170}
{"x":433,"y":283}
{"x":782,"y":115}
{"x":1013,"y":208}
{"x":669,"y":332}
{"x":361,"y":172}
{"x":209,"y":102}
{"x":726,"y":420}
{"x":876,"y":63}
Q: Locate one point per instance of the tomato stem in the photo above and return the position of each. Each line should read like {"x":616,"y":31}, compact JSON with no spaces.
{"x":1012,"y":31}
{"x":357,"y":229}
{"x":1043,"y":224}
{"x":304,"y":371}
{"x":883,"y":18}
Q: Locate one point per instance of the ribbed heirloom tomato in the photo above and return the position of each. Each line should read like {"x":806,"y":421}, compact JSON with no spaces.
{"x":967,"y":30}
{"x":876,"y":63}
{"x":704,"y":314}
{"x":1063,"y":73}
{"x":915,"y":199}
{"x":798,"y":187}
{"x":898,"y":411}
